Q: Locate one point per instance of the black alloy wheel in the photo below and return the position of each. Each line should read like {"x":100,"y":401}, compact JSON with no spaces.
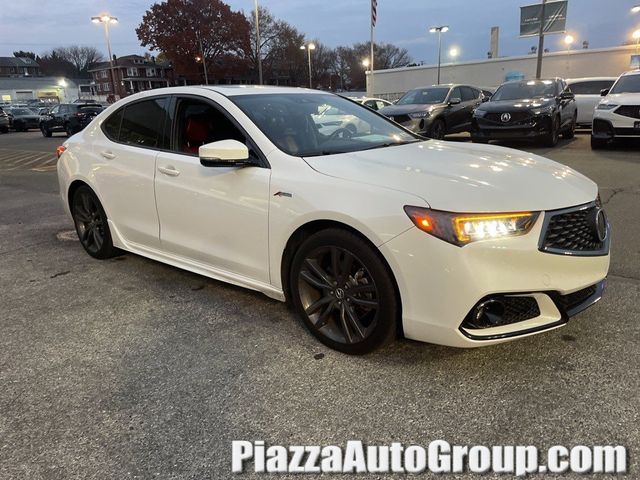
{"x":45,"y":131}
{"x":346,"y":299}
{"x":91,"y":224}
{"x":438,"y":130}
{"x":571,"y":131}
{"x":68,"y":130}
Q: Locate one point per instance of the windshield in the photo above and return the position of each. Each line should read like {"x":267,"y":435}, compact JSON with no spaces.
{"x":627,"y":84}
{"x":313,"y":124}
{"x":523,"y":90}
{"x":21,"y":111}
{"x":424,"y":96}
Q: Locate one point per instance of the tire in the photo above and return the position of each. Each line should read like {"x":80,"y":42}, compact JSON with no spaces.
{"x":91,"y":224}
{"x":571,"y":131}
{"x":479,"y":140}
{"x":68,"y":130}
{"x":551,"y":138}
{"x":438,"y":129}
{"x":353,"y":307}
{"x":598,"y":143}
{"x":45,"y":131}
{"x":4,"y":129}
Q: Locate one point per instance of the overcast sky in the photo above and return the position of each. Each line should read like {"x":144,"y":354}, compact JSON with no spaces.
{"x":39,"y":25}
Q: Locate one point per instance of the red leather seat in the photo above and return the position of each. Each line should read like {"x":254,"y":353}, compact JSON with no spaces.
{"x":195,"y":134}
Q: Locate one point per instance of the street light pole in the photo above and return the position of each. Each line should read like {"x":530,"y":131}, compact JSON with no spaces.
{"x":258,"y":43}
{"x":308,"y":48}
{"x":106,"y":19}
{"x":439,"y":30}
{"x":204,"y":61}
{"x":541,"y":40}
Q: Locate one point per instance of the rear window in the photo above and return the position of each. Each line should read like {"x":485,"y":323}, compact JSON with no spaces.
{"x":590,"y":87}
{"x":141,"y":124}
{"x":90,"y":109}
{"x":111,"y":126}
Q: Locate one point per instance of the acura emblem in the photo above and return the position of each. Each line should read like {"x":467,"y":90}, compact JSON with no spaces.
{"x":599,"y":224}
{"x":505,"y":117}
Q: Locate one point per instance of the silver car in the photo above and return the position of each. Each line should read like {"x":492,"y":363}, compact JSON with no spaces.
{"x":587,"y":92}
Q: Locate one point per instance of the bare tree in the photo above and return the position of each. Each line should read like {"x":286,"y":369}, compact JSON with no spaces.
{"x":80,"y":57}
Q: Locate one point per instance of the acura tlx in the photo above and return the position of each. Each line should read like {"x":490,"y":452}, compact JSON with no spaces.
{"x":369,"y":233}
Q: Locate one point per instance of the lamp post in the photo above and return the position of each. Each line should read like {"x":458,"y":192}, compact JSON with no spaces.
{"x":258,"y":43}
{"x":201,"y":57}
{"x":439,"y":30}
{"x":636,"y":36}
{"x":106,"y":20}
{"x":568,"y":41}
{"x":308,"y":48}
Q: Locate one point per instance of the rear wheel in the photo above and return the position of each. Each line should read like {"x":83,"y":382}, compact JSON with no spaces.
{"x":91,"y":224}
{"x":438,"y":130}
{"x":479,"y":140}
{"x":45,"y":131}
{"x":68,"y":129}
{"x":343,"y":292}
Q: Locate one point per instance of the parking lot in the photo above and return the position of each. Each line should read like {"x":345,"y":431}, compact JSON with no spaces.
{"x":129,"y":368}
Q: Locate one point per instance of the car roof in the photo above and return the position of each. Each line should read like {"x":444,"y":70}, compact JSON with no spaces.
{"x":631,"y":72}
{"x":589,"y":79}
{"x":233,"y":90}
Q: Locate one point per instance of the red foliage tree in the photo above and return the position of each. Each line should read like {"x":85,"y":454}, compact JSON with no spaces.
{"x":176,"y":28}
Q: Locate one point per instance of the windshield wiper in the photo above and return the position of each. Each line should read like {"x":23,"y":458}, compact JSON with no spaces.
{"x":390,"y":144}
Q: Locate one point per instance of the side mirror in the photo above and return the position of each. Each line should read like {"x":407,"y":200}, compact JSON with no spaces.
{"x":224,"y":153}
{"x":567,"y":96}
{"x":485,"y":99}
{"x":604,"y":92}
{"x":455,"y":101}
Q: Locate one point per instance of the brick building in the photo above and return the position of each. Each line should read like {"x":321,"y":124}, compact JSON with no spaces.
{"x":19,"y":67}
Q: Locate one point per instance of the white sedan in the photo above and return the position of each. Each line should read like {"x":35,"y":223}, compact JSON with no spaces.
{"x":368,"y":234}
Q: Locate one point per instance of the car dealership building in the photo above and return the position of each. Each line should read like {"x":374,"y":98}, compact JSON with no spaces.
{"x":393,"y":83}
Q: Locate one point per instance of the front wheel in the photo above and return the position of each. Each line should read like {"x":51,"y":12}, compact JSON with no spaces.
{"x":68,"y":130}
{"x":343,"y":292}
{"x":551,"y":138}
{"x":91,"y":224}
{"x":45,"y":131}
{"x":571,"y":131}
{"x":438,"y":130}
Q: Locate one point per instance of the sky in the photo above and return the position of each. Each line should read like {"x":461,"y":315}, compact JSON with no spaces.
{"x":405,"y":23}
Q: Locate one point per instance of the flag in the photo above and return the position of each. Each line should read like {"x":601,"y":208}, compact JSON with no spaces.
{"x":374,"y":12}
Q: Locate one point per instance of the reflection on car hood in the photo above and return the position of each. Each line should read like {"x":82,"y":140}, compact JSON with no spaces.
{"x":27,"y":117}
{"x":623,"y":98}
{"x":391,"y":110}
{"x":464,"y":177}
{"x":511,"y":105}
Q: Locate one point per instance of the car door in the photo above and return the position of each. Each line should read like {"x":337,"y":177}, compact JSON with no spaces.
{"x":455,"y":113}
{"x":125,"y":168}
{"x":471,"y":100}
{"x":216,"y":216}
{"x":567,"y":105}
{"x":50,"y":119}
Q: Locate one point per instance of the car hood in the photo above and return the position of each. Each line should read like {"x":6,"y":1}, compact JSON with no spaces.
{"x":623,"y":98}
{"x":27,"y":117}
{"x":464,"y":177}
{"x":391,"y":110}
{"x":515,"y":105}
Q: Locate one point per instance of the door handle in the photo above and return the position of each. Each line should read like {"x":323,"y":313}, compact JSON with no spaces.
{"x":170,"y":170}
{"x":108,"y":155}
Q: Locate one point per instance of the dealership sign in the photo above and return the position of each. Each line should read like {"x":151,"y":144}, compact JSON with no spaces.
{"x":555,"y":18}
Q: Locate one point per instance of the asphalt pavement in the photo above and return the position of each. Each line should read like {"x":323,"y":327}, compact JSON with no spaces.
{"x":129,"y":368}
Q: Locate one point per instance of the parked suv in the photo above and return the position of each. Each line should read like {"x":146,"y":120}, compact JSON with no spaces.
{"x":69,"y":118}
{"x":437,"y":110}
{"x":527,"y":109}
{"x":618,"y":113}
{"x":587,"y":92}
{"x":4,"y":121}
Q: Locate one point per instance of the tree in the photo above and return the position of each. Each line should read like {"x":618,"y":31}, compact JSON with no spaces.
{"x":24,"y":54}
{"x":55,"y":65}
{"x":81,"y":57}
{"x":178,"y":27}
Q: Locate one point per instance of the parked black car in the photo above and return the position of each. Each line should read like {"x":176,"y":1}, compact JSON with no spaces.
{"x":522,"y":110}
{"x":4,"y":121}
{"x":22,"y":119}
{"x":69,"y":118}
{"x":437,"y":110}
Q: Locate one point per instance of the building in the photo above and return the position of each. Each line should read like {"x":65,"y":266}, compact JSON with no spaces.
{"x":18,"y":67}
{"x":46,"y":89}
{"x":393,"y":83}
{"x":132,"y":73}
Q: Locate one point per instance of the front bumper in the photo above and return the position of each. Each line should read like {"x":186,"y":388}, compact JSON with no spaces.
{"x":416,"y":125}
{"x":530,"y":129}
{"x":440,"y":284}
{"x":608,"y":125}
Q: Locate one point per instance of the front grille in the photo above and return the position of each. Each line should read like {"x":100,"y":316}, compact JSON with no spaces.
{"x":632,"y":111}
{"x":516,"y":117}
{"x":575,"y":299}
{"x":573,"y":231}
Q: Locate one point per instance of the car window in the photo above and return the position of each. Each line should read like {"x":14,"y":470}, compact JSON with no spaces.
{"x":55,"y":110}
{"x":372,"y":104}
{"x":590,"y":87}
{"x":143,"y":123}
{"x":111,"y":126}
{"x":424,"y":96}
{"x":627,"y":84}
{"x":455,"y":93}
{"x":380,"y":104}
{"x":525,"y":90}
{"x":469,"y":94}
{"x":199,"y":122}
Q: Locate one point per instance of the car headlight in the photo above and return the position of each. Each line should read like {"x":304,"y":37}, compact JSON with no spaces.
{"x":543,"y":111}
{"x":606,"y":106}
{"x":463,"y":228}
{"x":420,"y":114}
